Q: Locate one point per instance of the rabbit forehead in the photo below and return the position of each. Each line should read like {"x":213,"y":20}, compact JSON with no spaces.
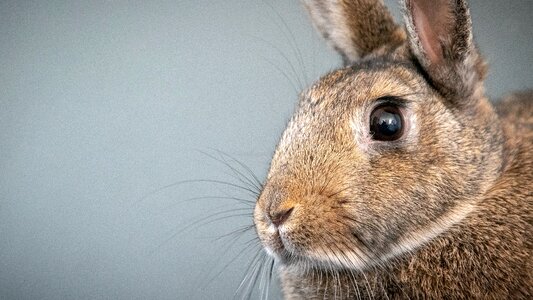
{"x":348,"y":93}
{"x":339,"y":103}
{"x":360,"y":83}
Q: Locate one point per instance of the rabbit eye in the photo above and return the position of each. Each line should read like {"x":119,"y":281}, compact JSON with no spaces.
{"x":386,"y":123}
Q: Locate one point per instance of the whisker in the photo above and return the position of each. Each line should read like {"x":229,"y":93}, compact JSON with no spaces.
{"x":231,"y":261}
{"x":291,"y":39}
{"x":199,"y":222}
{"x":262,"y":278}
{"x":238,"y":174}
{"x":298,"y":85}
{"x":271,"y":270}
{"x":248,"y":203}
{"x":258,"y":276}
{"x":175,"y":184}
{"x":248,"y":276}
{"x":235,"y":232}
{"x":244,"y":166}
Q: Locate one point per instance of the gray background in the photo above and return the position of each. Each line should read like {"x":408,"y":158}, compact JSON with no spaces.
{"x":104,"y":103}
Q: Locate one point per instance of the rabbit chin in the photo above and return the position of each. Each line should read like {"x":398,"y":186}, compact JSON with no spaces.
{"x":278,"y":244}
{"x":286,"y":254}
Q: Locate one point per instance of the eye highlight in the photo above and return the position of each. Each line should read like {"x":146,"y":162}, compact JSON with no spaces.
{"x":386,"y":123}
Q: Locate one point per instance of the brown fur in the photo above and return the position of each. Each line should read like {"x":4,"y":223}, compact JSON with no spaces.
{"x":443,"y":212}
{"x":367,"y":24}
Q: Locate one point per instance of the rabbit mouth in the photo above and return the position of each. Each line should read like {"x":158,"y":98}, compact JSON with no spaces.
{"x":288,"y":246}
{"x":281,"y":251}
{"x":275,"y":245}
{"x":278,"y":244}
{"x":295,"y":250}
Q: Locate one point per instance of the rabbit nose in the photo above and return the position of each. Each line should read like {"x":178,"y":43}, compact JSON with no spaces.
{"x":279,"y":217}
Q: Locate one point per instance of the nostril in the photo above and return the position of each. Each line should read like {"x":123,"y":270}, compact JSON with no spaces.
{"x":279,"y":217}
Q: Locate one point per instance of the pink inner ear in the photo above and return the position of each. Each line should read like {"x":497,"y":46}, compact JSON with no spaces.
{"x":431,"y":18}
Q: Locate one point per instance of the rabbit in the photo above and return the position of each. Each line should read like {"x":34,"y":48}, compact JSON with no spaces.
{"x":396,"y":178}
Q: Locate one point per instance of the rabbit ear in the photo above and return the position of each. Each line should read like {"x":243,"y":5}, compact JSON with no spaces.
{"x":354,"y":28}
{"x":440,"y":36}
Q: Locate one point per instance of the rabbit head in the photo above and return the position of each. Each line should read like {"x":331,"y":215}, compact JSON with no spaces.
{"x":388,"y":151}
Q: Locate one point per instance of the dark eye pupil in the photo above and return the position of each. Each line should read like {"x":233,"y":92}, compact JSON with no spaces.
{"x":386,"y":123}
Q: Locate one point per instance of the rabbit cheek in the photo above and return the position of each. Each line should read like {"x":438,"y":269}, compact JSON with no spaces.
{"x":413,"y":240}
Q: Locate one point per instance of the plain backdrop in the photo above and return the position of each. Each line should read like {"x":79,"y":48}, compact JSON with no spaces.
{"x":105,"y":106}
